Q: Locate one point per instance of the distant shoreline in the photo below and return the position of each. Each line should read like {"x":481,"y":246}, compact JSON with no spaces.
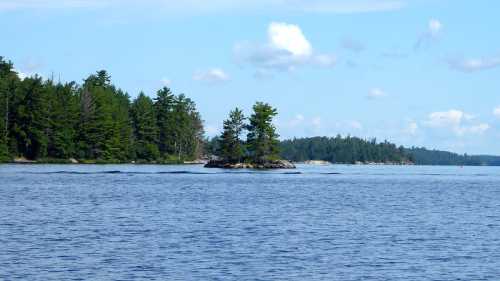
{"x":204,"y":162}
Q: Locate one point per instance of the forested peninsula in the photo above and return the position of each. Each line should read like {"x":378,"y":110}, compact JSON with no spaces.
{"x":44,"y":121}
{"x":95,"y":122}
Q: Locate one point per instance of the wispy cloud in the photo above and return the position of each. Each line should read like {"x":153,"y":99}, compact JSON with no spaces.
{"x":376,"y":93}
{"x":459,"y":122}
{"x":213,"y":75}
{"x":433,"y":32}
{"x":474,"y":64}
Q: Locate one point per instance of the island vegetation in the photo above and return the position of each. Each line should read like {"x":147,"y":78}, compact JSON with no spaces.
{"x":93,"y":122}
{"x":261,"y":148}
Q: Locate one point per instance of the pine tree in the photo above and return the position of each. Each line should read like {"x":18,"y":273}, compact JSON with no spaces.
{"x":164,"y":104}
{"x":31,"y":118}
{"x":63,"y":117}
{"x":145,"y":128}
{"x":262,"y":139}
{"x":231,"y":146}
{"x":8,"y":81}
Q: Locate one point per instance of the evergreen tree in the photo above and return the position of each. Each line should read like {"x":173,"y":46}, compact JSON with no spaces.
{"x":8,"y":81}
{"x":31,"y":118}
{"x":145,"y":128}
{"x":63,"y":115}
{"x":231,"y":147}
{"x":164,"y":105}
{"x":262,"y":139}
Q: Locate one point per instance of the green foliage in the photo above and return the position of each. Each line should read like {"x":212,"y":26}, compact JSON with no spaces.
{"x":262,"y":144}
{"x":262,"y":139}
{"x":145,"y":128}
{"x":348,"y":150}
{"x":94,"y":122}
{"x":231,"y":146}
{"x":8,"y":81}
{"x":423,"y":156}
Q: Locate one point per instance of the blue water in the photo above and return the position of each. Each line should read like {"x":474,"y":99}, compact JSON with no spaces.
{"x":190,"y":223}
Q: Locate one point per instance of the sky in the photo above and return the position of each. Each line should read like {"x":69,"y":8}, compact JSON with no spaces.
{"x":414,"y":72}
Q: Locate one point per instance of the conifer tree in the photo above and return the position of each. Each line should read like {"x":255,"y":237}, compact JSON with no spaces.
{"x":145,"y":128}
{"x":262,"y":139}
{"x":231,"y":146}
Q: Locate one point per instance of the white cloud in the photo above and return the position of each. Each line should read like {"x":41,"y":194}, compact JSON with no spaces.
{"x":212,"y":6}
{"x":434,"y":30}
{"x":287,"y":49}
{"x":166,"y":82}
{"x":316,"y":122}
{"x":21,"y":74}
{"x":412,"y":128}
{"x":376,"y":93}
{"x":457,"y":121}
{"x":289,"y":37}
{"x":435,"y":27}
{"x":474,"y":64}
{"x":296,"y":121}
{"x":496,"y":112}
{"x":212,"y":75}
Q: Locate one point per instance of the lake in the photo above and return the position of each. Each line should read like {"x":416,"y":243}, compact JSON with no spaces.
{"x":127,"y":222}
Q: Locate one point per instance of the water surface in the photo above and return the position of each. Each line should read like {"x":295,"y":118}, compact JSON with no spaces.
{"x":126,"y":222}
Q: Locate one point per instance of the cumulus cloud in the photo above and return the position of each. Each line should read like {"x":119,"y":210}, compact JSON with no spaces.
{"x":287,"y":48}
{"x":376,"y":93}
{"x":474,"y":64}
{"x":457,"y":121}
{"x":213,"y":75}
{"x":433,"y":32}
{"x":289,"y":37}
{"x":203,"y":6}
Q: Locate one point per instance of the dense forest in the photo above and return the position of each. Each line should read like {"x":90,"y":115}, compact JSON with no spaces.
{"x":347,"y":150}
{"x":93,"y":122}
{"x":350,"y":150}
{"x":423,"y":156}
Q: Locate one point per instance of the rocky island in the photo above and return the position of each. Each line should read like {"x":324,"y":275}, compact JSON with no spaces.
{"x":260,"y":150}
{"x":277,"y":164}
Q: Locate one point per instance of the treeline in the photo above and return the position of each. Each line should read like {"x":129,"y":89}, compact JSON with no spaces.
{"x":423,"y":156}
{"x":346,"y":150}
{"x":95,"y":121}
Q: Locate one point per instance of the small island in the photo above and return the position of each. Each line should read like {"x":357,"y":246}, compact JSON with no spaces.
{"x":261,"y":150}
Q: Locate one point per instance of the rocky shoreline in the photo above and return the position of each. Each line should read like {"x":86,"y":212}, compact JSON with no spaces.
{"x":278,"y":164}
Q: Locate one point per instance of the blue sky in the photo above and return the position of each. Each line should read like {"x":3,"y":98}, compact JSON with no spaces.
{"x":415,"y":72}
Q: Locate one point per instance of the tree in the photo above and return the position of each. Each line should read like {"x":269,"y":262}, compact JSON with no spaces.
{"x":262,"y":139}
{"x":8,"y":81}
{"x":31,"y":118}
{"x":164,"y":104}
{"x":231,"y":146}
{"x":63,"y":115}
{"x":145,"y":128}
